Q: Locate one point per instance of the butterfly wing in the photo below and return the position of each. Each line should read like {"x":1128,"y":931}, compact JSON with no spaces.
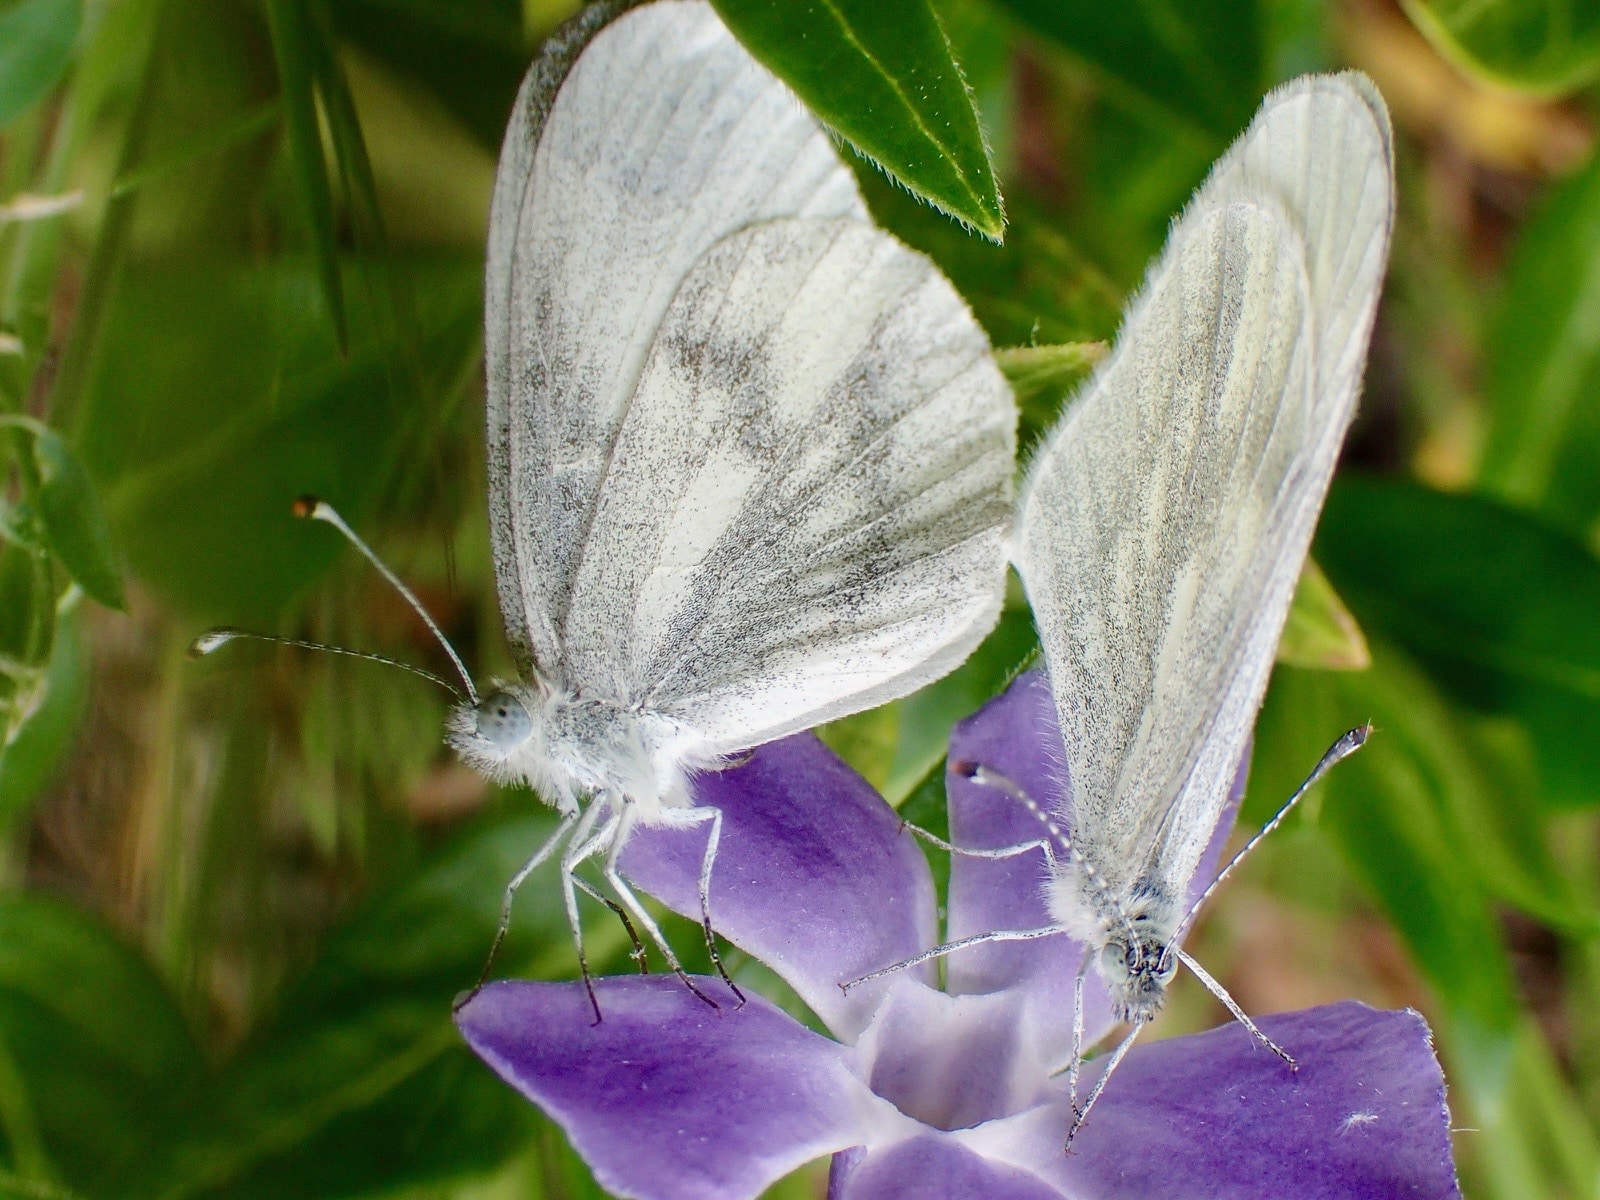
{"x":804,"y":510}
{"x":636,"y":144}
{"x":1165,"y":521}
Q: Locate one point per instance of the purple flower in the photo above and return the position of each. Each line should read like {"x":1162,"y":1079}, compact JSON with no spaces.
{"x":932,"y":1093}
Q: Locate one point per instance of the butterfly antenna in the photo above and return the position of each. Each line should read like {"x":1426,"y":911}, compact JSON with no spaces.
{"x":1343,"y":748}
{"x":215,"y":639}
{"x":312,"y":509}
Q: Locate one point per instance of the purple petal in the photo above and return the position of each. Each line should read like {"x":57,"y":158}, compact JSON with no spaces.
{"x":931,"y":1168}
{"x":814,"y":876}
{"x":953,"y":1061}
{"x":667,"y":1098}
{"x":1017,"y":735}
{"x":1216,"y":1115}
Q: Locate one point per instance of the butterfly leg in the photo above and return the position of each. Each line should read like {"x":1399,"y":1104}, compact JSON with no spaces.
{"x":1080,"y":1115}
{"x":999,"y":935}
{"x":642,"y":915}
{"x":581,"y":847}
{"x":1074,"y":1065}
{"x":688,"y":818}
{"x":539,"y":856}
{"x":1221,"y":993}
{"x":638,"y":955}
{"x":939,"y":843}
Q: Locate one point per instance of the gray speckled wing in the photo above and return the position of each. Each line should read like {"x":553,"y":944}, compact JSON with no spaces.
{"x":804,"y":508}
{"x":1161,"y":536}
{"x":1165,"y":521}
{"x":634,"y":146}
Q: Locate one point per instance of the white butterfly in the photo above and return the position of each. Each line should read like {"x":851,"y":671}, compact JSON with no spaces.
{"x":1164,"y":522}
{"x":750,"y":458}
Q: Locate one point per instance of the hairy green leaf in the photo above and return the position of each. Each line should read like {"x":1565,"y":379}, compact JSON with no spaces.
{"x":1042,"y":377}
{"x":1542,"y":46}
{"x":881,"y":74}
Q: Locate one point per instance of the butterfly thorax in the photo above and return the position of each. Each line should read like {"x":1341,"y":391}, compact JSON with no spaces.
{"x":568,"y":747}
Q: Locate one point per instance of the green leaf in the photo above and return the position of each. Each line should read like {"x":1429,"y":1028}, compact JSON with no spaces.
{"x":1042,"y":377}
{"x":928,"y":716}
{"x":73,"y":522}
{"x":1500,"y":604}
{"x":1320,"y":633}
{"x":1036,"y":287}
{"x":293,"y":42}
{"x":207,"y":421}
{"x":1200,"y":61}
{"x":881,"y":74}
{"x":100,"y":1061}
{"x":1542,"y":450}
{"x":1396,"y":810}
{"x":51,"y":711}
{"x":1542,"y":46}
{"x":471,"y":54}
{"x":361,"y":1084}
{"x":37,"y":38}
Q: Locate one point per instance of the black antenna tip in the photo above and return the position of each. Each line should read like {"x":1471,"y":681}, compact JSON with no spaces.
{"x":305,"y":507}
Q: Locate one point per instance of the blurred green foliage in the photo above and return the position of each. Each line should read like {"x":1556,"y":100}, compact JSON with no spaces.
{"x":240,"y":260}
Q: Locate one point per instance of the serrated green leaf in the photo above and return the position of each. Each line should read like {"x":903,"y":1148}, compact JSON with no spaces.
{"x":1546,"y":47}
{"x":1542,"y":449}
{"x":1200,"y":61}
{"x":37,"y":38}
{"x":48,"y":714}
{"x":1320,"y":633}
{"x":881,"y":74}
{"x":1501,"y":605}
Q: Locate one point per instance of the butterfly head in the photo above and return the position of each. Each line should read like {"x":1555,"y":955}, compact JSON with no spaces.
{"x":501,"y":734}
{"x":1137,"y":970}
{"x":1136,"y":958}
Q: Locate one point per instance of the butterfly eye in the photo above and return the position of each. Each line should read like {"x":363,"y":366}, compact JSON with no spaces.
{"x":503,"y":721}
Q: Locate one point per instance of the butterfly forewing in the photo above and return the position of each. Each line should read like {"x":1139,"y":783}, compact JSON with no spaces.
{"x":664,"y":137}
{"x":1165,"y":522}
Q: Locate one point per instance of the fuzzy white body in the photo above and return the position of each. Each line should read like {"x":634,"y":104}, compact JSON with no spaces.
{"x":568,"y":750}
